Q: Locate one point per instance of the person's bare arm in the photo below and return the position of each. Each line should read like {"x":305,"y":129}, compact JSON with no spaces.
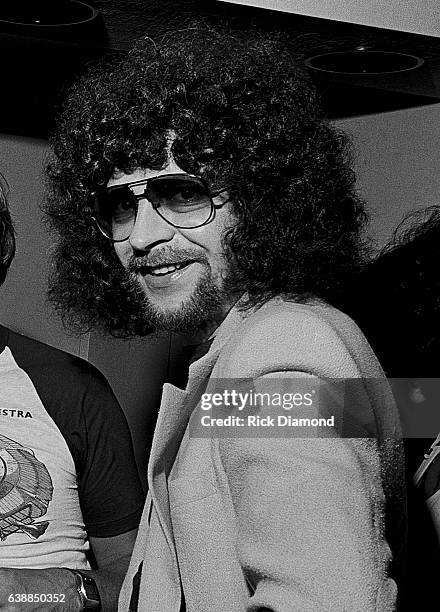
{"x":54,"y":589}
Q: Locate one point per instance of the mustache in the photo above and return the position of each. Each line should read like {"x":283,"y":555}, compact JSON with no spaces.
{"x":164,"y":257}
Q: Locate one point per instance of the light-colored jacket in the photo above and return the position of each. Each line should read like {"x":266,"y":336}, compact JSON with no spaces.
{"x":280,"y":523}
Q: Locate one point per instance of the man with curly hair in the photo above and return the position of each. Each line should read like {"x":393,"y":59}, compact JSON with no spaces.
{"x":195,"y":187}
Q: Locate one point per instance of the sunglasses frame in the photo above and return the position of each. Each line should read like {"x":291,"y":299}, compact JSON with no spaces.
{"x":212,"y":195}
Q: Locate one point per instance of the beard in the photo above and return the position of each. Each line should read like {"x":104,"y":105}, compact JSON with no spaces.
{"x":200,"y":311}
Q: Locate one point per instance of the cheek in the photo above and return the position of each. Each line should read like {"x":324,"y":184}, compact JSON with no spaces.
{"x":123,"y":253}
{"x":207,"y":238}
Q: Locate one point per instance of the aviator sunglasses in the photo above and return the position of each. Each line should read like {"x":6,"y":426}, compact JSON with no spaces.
{"x":183,"y":200}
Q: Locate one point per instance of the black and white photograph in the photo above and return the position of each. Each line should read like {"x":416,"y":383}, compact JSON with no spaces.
{"x":228,"y":402}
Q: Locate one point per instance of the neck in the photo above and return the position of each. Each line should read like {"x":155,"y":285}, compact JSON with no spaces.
{"x":205,"y":331}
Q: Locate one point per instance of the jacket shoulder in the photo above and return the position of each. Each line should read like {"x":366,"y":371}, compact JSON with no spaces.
{"x":313,"y":338}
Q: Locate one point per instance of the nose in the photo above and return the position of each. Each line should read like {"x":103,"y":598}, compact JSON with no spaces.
{"x":149,"y":228}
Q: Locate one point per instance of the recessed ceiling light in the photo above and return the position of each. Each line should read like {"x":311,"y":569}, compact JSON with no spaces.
{"x":47,"y":14}
{"x":363,"y":62}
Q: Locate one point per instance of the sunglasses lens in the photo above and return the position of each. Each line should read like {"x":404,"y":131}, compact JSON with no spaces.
{"x":182,"y":200}
{"x":115,"y":212}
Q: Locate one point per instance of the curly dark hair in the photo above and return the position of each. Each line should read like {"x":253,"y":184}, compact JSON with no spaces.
{"x":244,"y":117}
{"x":7,"y":233}
{"x":396,"y":298}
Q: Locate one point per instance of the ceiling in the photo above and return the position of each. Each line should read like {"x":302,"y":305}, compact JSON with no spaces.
{"x":419,"y":16}
{"x":42,"y":63}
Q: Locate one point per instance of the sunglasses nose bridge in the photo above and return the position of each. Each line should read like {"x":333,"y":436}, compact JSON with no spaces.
{"x":140,"y":192}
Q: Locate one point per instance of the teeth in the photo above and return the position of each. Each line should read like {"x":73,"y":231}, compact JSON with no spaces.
{"x":160,"y":270}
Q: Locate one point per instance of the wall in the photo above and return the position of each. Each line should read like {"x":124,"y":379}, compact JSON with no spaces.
{"x":23,"y":304}
{"x":397,"y":163}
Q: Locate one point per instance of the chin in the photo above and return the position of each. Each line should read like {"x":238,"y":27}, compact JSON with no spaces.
{"x":192,"y":313}
{"x":170,"y":304}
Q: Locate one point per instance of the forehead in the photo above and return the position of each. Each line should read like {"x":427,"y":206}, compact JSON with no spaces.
{"x":120,"y":178}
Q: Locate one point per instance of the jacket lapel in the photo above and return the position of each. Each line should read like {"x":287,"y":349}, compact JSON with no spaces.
{"x":175,"y":409}
{"x":174,"y":413}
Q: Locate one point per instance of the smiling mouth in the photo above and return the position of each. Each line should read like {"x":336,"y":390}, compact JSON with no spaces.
{"x":164,"y":269}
